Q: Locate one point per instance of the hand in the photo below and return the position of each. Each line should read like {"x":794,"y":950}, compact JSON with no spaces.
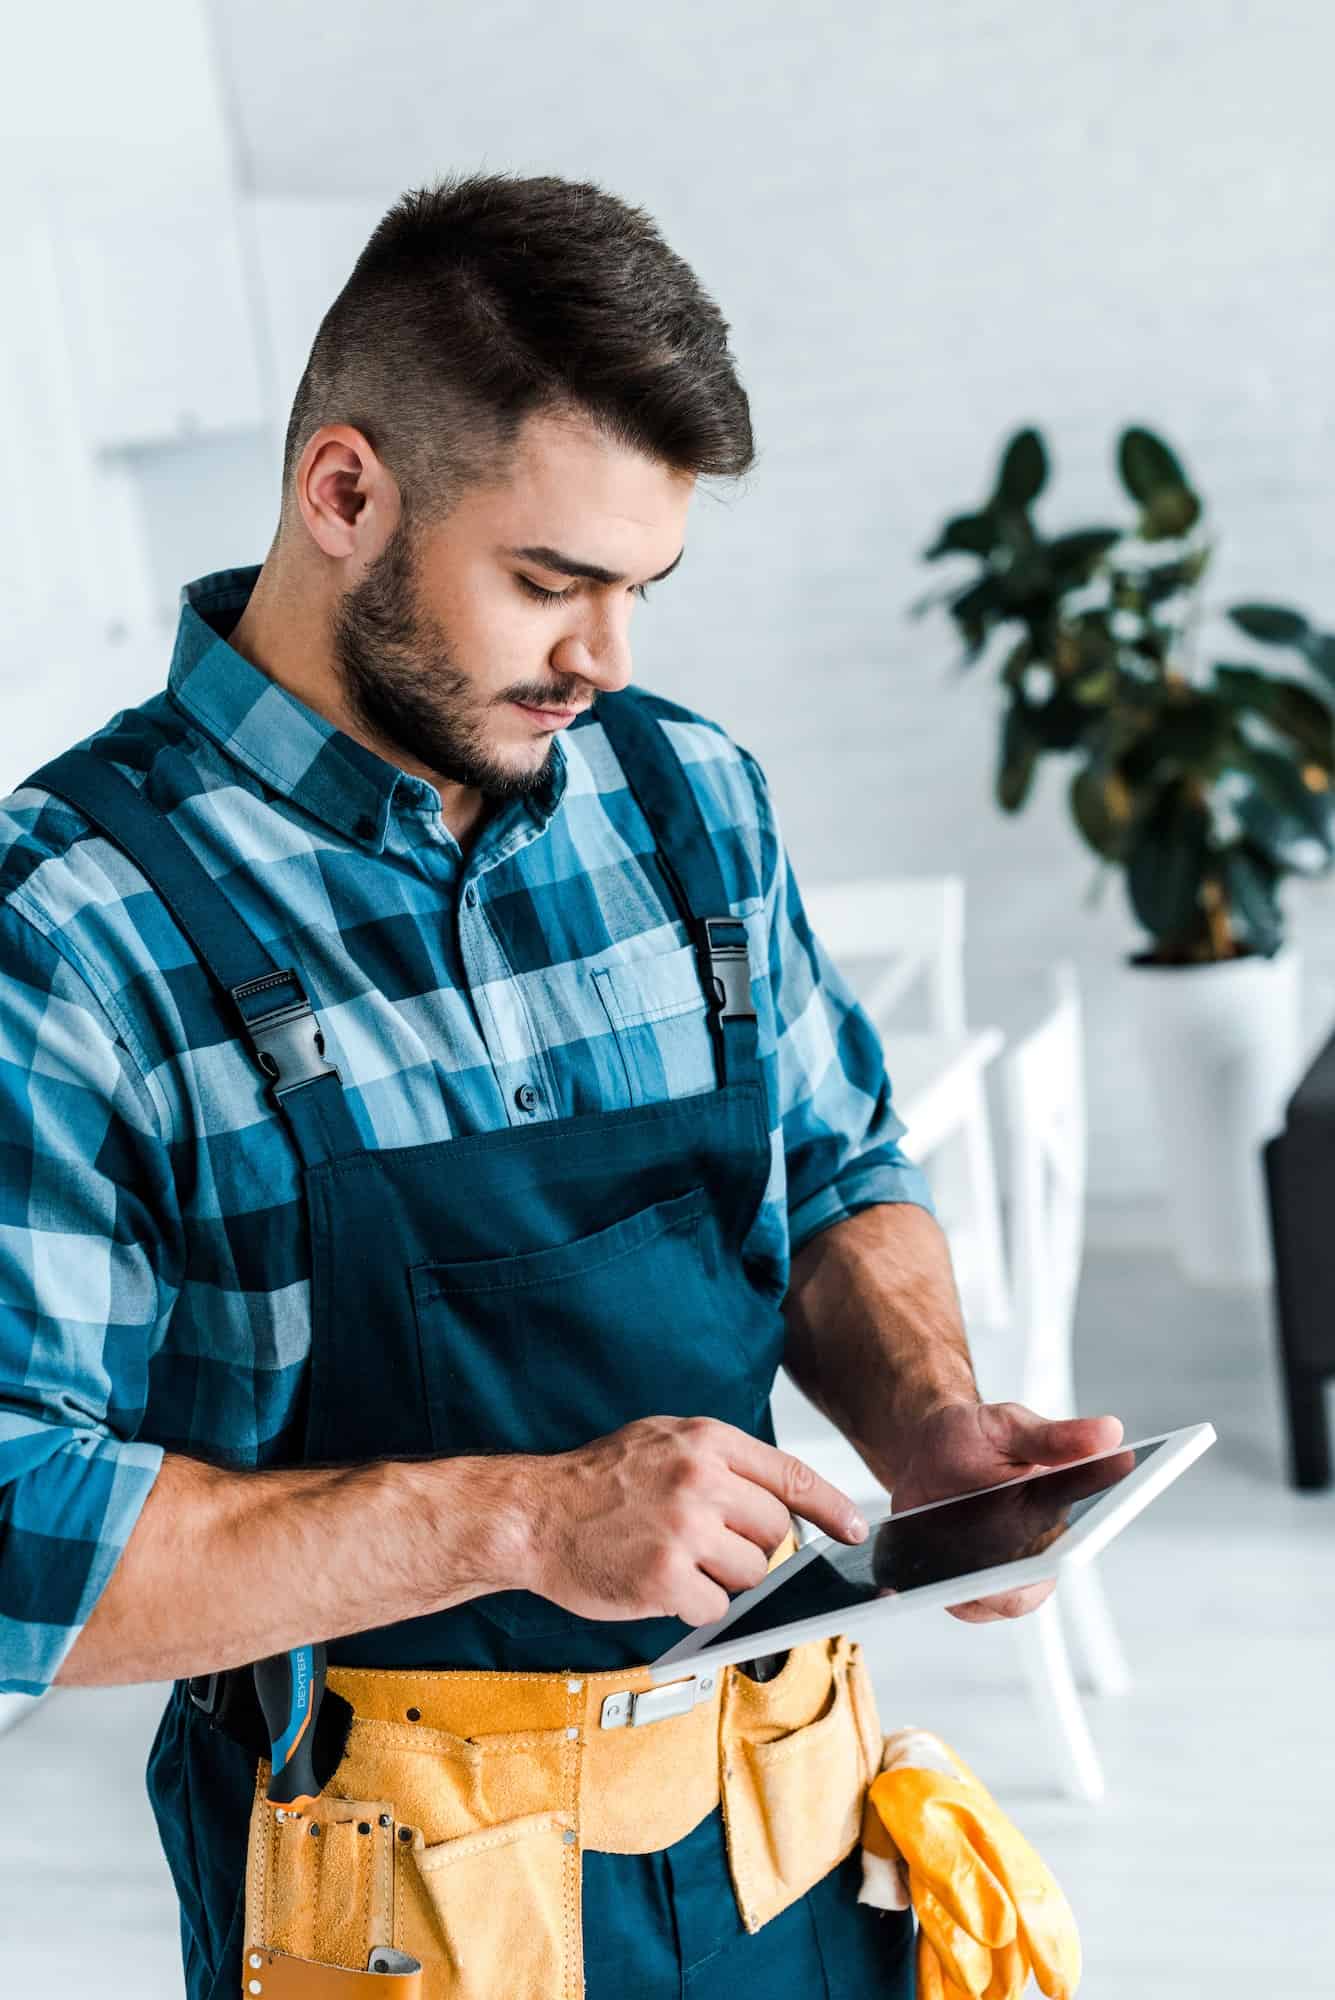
{"x":666,"y":1517}
{"x":964,"y":1446}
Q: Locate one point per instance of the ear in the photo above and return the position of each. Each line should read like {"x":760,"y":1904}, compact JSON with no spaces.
{"x":349,"y":498}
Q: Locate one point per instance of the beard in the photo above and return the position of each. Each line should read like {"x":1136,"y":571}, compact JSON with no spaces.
{"x":399,"y":681}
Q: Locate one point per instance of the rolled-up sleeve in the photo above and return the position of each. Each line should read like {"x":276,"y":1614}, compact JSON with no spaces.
{"x":840,"y":1129}
{"x":89,"y":1238}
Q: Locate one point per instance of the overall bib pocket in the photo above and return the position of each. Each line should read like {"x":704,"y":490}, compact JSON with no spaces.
{"x":794,"y":1774}
{"x":656,"y":1280}
{"x":655,"y":1294}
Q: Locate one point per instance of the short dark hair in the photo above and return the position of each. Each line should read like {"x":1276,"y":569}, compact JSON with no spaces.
{"x":487,"y":297}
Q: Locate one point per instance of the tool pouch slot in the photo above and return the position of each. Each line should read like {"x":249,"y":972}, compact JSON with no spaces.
{"x":499,"y":1905}
{"x":794,"y":1774}
{"x":320,"y":1885}
{"x":476,"y":1875}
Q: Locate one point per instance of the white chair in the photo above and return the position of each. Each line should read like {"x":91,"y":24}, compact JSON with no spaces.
{"x":913,"y":929}
{"x":910,"y":933}
{"x":1032,"y":1360}
{"x":1024,"y":1354}
{"x":916,"y":923}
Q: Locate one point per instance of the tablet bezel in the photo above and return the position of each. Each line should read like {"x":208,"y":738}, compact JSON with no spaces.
{"x":1078,"y":1543}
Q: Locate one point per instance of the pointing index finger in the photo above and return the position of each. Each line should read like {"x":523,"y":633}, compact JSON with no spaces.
{"x":799,"y":1486}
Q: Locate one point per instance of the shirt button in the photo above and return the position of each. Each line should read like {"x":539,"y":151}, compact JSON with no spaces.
{"x":526,"y":1097}
{"x":470,"y":897}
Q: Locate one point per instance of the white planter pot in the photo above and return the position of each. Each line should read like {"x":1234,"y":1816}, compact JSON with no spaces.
{"x":1222,"y":1048}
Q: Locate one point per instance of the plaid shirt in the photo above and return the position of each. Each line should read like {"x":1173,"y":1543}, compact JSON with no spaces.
{"x":154,"y":1276}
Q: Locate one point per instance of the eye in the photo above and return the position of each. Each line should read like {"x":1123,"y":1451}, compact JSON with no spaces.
{"x":543,"y":596}
{"x":560,"y":596}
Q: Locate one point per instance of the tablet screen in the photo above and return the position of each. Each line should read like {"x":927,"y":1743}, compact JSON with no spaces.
{"x":933,"y":1544}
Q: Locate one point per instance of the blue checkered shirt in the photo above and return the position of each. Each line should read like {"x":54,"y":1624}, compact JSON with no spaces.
{"x":154,"y":1275}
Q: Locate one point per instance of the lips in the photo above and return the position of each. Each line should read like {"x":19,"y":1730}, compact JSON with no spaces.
{"x":556,"y":718}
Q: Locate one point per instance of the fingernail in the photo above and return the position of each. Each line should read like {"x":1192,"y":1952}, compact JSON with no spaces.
{"x":857,"y":1527}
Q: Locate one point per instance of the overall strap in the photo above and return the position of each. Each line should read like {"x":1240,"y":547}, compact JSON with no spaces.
{"x":268,"y":1002}
{"x":687,"y":856}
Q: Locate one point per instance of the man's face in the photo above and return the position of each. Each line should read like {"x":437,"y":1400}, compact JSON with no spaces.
{"x":446,"y":648}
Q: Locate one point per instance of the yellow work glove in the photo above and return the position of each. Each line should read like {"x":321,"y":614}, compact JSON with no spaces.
{"x":988,"y":1910}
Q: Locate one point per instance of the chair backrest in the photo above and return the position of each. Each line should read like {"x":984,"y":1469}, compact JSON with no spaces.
{"x":1044,"y":1085}
{"x":916,"y":923}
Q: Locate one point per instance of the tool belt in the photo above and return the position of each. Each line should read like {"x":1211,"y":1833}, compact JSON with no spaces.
{"x":443,"y":1859}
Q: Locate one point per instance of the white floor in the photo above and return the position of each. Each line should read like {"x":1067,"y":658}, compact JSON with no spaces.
{"x":1209,"y":1871}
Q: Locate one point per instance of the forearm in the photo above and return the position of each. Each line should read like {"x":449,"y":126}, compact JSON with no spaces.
{"x":875,"y":1334}
{"x":223,"y":1567}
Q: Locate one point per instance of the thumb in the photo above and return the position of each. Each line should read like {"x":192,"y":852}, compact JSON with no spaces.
{"x":1028,"y":1439}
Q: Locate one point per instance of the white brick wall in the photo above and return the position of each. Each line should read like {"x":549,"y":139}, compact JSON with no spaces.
{"x":926,"y":224}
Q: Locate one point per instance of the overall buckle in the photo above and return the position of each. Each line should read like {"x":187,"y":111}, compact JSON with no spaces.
{"x":286,"y":1039}
{"x":630,"y":1709}
{"x":729,"y":968}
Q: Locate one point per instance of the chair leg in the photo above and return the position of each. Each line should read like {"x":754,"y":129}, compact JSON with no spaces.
{"x":993,"y":1284}
{"x":1309,"y":1428}
{"x":1052,"y":1686}
{"x":1082,"y":1595}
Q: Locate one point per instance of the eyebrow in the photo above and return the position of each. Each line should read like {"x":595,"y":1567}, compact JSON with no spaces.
{"x":572,"y":566}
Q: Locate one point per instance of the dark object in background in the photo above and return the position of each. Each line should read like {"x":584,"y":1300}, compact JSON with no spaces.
{"x":1300,"y":1178}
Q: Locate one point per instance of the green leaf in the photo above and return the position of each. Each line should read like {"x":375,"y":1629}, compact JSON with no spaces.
{"x":1319,"y":651}
{"x":1251,"y":885}
{"x":1293,"y":825}
{"x":1024,"y":469}
{"x":1097,"y":689}
{"x":1173,"y":512}
{"x":1186,"y":740}
{"x":1272,"y":624}
{"x":1165,"y":580}
{"x":1153,"y":476}
{"x":1019,"y":758}
{"x":1147,"y":465}
{"x":1075,"y":557}
{"x":1092,"y":797}
{"x":1060,"y":722}
{"x":975,"y":610}
{"x":1286,"y":705}
{"x":1166,"y":865}
{"x":965,"y":534}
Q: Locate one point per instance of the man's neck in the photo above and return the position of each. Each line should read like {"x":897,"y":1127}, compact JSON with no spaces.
{"x":281,"y":634}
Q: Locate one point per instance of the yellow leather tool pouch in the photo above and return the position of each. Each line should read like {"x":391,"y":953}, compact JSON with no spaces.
{"x":459,"y":1852}
{"x":447,"y":1864}
{"x":798,"y":1753}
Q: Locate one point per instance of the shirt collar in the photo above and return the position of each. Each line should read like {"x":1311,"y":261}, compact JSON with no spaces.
{"x":289,"y":747}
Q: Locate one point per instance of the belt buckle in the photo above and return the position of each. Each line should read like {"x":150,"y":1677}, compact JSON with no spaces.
{"x":631,"y":1709}
{"x":207,"y":1701}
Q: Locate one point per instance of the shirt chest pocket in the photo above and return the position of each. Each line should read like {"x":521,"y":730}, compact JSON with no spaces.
{"x":655,"y":1008}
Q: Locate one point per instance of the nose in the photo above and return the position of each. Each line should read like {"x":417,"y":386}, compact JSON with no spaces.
{"x":600,"y":655}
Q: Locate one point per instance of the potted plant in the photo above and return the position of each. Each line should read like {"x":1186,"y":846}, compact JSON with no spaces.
{"x":1205,"y":784}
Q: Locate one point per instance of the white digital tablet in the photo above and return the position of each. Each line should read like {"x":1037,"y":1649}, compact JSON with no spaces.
{"x":945,"y":1553}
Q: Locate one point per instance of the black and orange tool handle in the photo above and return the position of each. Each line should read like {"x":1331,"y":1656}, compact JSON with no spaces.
{"x":289,"y":1687}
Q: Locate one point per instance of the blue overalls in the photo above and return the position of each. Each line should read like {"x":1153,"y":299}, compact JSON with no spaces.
{"x":527,"y":1289}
